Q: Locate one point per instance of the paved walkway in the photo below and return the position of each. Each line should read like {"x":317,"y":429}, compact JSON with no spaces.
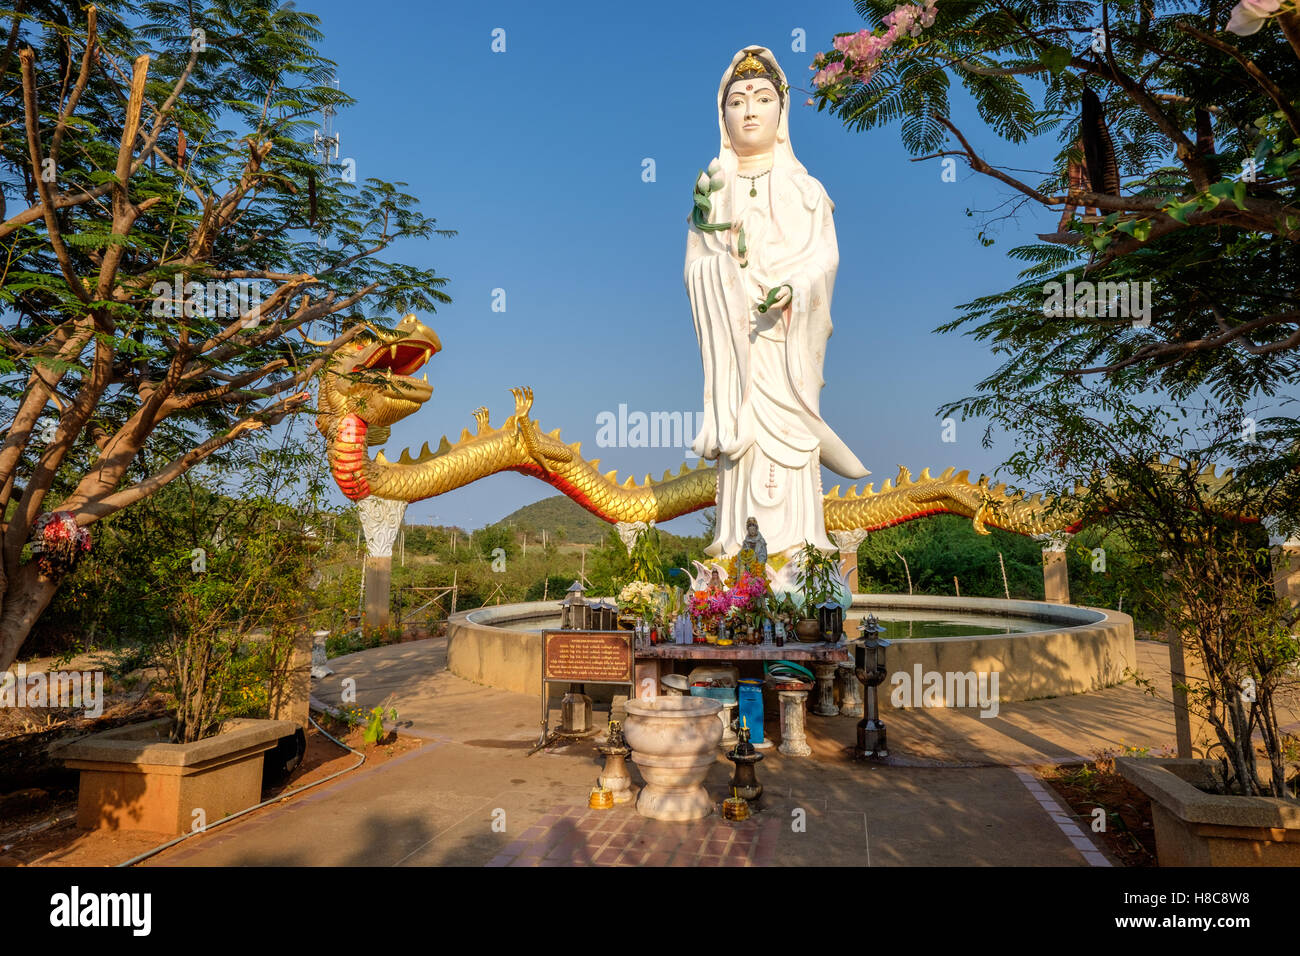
{"x":956,"y":790}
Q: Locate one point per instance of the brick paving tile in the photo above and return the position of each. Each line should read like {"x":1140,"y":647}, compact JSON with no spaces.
{"x":562,"y":851}
{"x":657,"y":859}
{"x":716,"y":848}
{"x":635,"y":857}
{"x":620,"y":840}
{"x":606,"y":857}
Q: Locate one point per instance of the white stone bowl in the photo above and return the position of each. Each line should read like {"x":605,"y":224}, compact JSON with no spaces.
{"x":673,"y":741}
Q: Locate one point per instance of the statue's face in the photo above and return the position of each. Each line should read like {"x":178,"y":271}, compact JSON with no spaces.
{"x":752,"y":527}
{"x":752,"y":112}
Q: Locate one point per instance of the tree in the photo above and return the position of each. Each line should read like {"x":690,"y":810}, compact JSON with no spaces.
{"x":1197,"y":537}
{"x":1183,"y":140}
{"x":178,"y":242}
{"x":489,"y":538}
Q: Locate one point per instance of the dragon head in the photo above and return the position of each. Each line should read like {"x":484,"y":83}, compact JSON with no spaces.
{"x":372,"y":378}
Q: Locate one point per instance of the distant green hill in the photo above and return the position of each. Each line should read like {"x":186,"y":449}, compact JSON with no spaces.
{"x":569,"y":522}
{"x":563,"y":519}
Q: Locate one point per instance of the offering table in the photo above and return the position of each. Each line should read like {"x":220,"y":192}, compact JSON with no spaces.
{"x":822,"y":657}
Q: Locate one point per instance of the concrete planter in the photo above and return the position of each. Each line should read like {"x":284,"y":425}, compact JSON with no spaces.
{"x":1195,"y":828}
{"x":132,"y":778}
{"x":673,"y":741}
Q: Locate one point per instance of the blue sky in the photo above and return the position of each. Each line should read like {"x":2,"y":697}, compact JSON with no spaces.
{"x":535,"y":155}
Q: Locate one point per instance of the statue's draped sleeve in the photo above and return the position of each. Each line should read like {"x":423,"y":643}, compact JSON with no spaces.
{"x":720,"y":308}
{"x":799,"y":247}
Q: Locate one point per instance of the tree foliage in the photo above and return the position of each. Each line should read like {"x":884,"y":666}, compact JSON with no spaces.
{"x":1204,"y":133}
{"x":1198,"y":529}
{"x":168,"y":226}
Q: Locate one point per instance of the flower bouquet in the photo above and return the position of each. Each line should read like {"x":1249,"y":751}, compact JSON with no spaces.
{"x":58,"y":542}
{"x":640,"y":599}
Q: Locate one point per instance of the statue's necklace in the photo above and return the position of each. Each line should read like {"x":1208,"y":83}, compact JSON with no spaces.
{"x":753,"y":181}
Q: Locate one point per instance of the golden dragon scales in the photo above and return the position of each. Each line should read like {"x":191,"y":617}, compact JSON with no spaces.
{"x":369,"y":385}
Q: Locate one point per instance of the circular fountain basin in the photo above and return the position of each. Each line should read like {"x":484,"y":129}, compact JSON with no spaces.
{"x":1037,"y":649}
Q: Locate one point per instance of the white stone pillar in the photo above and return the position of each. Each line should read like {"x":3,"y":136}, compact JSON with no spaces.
{"x":847,"y":542}
{"x":381,"y":518}
{"x":825,"y":703}
{"x":1056,"y":578}
{"x":852,"y":700}
{"x":1286,"y":568}
{"x":794,"y":742}
{"x":628,"y":530}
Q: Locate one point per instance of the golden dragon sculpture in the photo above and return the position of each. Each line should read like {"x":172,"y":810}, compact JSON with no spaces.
{"x":370,"y":384}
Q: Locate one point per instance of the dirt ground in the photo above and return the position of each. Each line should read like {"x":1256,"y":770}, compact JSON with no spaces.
{"x":1129,"y":834}
{"x":38,"y":828}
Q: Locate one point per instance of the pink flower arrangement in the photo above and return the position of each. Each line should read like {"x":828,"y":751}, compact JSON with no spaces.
{"x":744,"y":596}
{"x":862,"y":51}
{"x":62,"y":542}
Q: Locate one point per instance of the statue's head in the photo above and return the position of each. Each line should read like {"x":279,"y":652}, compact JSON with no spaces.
{"x":751,"y":527}
{"x":752,"y":104}
{"x":373,"y":377}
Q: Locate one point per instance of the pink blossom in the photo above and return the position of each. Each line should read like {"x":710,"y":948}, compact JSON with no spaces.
{"x":1249,"y":15}
{"x":841,"y":43}
{"x":829,"y":74}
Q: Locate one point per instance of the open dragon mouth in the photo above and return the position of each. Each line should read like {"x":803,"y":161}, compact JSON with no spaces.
{"x":402,"y":358}
{"x":399,"y":361}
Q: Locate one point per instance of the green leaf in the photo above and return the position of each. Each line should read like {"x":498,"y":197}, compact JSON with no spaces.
{"x":1278,"y":165}
{"x":1055,"y":58}
{"x":1239,"y":195}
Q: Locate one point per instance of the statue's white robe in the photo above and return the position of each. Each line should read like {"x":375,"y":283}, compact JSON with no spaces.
{"x":762,"y":376}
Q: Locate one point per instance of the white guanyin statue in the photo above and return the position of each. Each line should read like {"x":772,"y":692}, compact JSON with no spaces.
{"x":763,"y":366}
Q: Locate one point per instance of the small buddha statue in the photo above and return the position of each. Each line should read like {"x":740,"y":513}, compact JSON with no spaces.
{"x":754,"y":542}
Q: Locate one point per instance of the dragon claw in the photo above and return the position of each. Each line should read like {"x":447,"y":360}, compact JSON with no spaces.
{"x":523,"y":400}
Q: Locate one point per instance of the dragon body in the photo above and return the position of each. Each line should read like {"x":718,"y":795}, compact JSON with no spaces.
{"x":369,"y":385}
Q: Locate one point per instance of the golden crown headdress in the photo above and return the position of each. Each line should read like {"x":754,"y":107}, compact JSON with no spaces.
{"x":752,"y":66}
